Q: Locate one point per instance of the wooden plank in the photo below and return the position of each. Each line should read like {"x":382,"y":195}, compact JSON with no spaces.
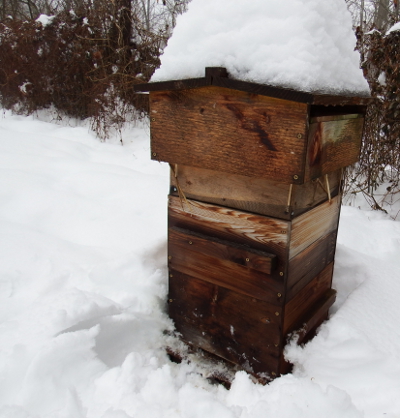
{"x":306,"y":327}
{"x":312,"y":225}
{"x":258,"y":232}
{"x":329,"y":100}
{"x":240,"y":329}
{"x":309,"y":263}
{"x":264,"y":90}
{"x":333,"y":117}
{"x":190,"y":83}
{"x":313,"y":193}
{"x":323,"y":110}
{"x":236,"y":132}
{"x":298,"y":306}
{"x":218,"y":76}
{"x":252,"y":194}
{"x":224,"y":250}
{"x":333,"y":144}
{"x":195,"y":260}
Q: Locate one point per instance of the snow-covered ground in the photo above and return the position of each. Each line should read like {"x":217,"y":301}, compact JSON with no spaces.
{"x":83,"y":287}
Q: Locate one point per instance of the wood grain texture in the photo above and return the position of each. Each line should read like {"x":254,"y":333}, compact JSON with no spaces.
{"x":224,"y":250}
{"x":252,"y":194}
{"x":258,"y":232}
{"x":218,"y":76}
{"x":240,"y":329}
{"x":314,"y":224}
{"x":309,"y":263}
{"x":333,"y":144}
{"x":236,"y":132}
{"x":200,"y":261}
{"x":302,"y":303}
{"x":306,"y":326}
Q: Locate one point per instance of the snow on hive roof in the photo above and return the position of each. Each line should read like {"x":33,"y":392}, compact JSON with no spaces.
{"x":306,"y":45}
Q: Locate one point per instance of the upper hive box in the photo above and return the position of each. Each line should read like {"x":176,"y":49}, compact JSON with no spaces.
{"x":251,"y":129}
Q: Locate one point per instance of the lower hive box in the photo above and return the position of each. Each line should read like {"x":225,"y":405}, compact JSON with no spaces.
{"x":240,"y":283}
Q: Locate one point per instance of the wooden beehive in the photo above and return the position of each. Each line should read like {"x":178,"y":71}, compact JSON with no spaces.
{"x":253,"y":210}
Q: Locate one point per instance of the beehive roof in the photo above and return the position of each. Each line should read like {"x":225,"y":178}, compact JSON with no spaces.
{"x":304,"y":45}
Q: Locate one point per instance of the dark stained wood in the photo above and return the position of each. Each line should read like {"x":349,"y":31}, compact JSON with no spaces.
{"x":258,"y":232}
{"x":235,"y":132}
{"x":304,"y":300}
{"x":312,"y":225}
{"x":322,"y":110}
{"x":224,"y":250}
{"x":309,"y":263}
{"x":212,"y":72}
{"x":336,"y":117}
{"x":305,"y":327}
{"x":333,"y":143}
{"x":252,"y":194}
{"x":218,"y":76}
{"x":330,"y":100}
{"x":190,"y":83}
{"x":195,"y":260}
{"x":240,"y":329}
{"x":264,"y":90}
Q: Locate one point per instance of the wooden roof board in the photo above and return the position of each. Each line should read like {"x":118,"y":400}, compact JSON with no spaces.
{"x":254,"y":88}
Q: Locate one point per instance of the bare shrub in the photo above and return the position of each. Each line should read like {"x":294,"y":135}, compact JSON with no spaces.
{"x":84,"y":62}
{"x":380,"y":154}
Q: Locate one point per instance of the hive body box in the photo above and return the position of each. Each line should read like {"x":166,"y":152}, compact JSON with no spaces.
{"x":253,"y":210}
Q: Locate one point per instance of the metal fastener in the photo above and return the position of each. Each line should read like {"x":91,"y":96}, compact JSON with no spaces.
{"x":273,"y":374}
{"x":247,"y":259}
{"x":171,"y":275}
{"x":279,"y":295}
{"x":299,"y":136}
{"x":170,"y":301}
{"x":295,"y":177}
{"x":281,"y":273}
{"x":266,"y":320}
{"x":153,"y":119}
{"x":276,"y":313}
{"x":190,"y":242}
{"x":154,"y":154}
{"x":170,"y":257}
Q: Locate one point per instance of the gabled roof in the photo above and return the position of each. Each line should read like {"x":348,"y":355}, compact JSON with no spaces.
{"x":218,"y":76}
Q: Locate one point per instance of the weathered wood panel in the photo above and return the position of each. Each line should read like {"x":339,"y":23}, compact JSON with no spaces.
{"x":224,"y":250}
{"x":309,"y":263}
{"x":333,"y":144}
{"x":259,"y":232}
{"x":243,"y":330}
{"x":302,"y":303}
{"x":306,"y":326}
{"x":312,"y":225}
{"x":252,"y":194}
{"x":218,"y":76}
{"x":199,"y":261}
{"x":240,"y":133}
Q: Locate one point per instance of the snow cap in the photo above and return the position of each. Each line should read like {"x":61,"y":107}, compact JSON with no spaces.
{"x":306,"y":45}
{"x":45,"y":19}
